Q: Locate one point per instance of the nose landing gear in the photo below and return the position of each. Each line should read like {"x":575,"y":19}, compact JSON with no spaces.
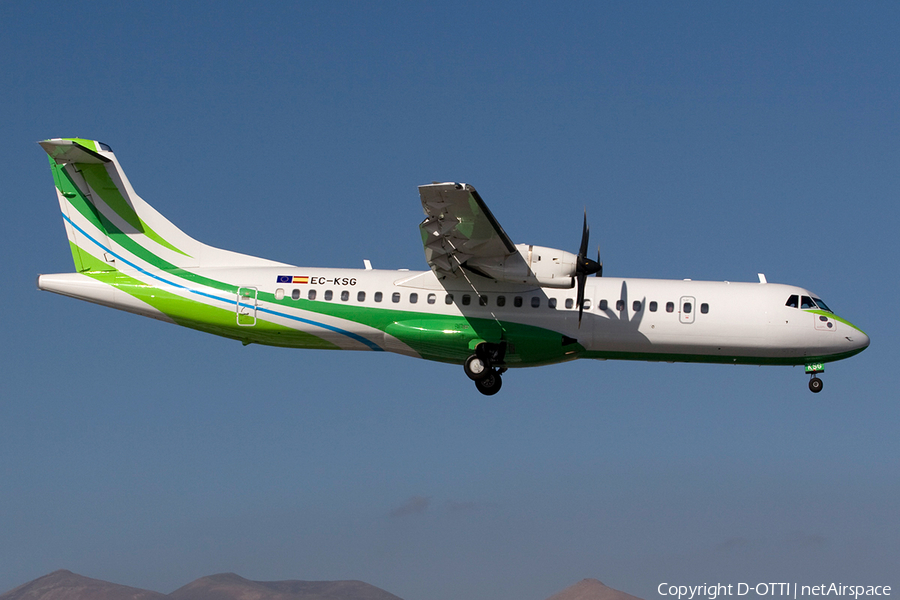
{"x":480,"y":368}
{"x":815,"y":384}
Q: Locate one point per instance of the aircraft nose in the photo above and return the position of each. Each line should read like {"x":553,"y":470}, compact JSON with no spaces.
{"x":859,"y":340}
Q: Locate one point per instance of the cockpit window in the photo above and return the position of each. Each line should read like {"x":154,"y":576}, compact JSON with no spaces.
{"x":807,"y":302}
{"x":792,"y":301}
{"x":822,"y":305}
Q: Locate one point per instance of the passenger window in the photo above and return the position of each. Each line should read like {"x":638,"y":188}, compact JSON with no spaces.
{"x":467,"y":299}
{"x":395,"y":297}
{"x":279,"y":293}
{"x":587,"y":304}
{"x":604,"y":305}
{"x":413,"y":298}
{"x":378,"y":296}
{"x":806,"y":302}
{"x":792,"y":301}
{"x":360,"y":296}
{"x":345,"y":295}
{"x":295,"y":295}
{"x":670,"y":307}
{"x":482,"y":300}
{"x":636,"y":306}
{"x":328,"y":294}
{"x":551,"y":302}
{"x":431,"y":298}
{"x":704,"y":308}
{"x":535,"y":301}
{"x":517,"y":301}
{"x":688,"y":307}
{"x":501,"y":300}
{"x":653,"y":306}
{"x":312,"y":294}
{"x":448,"y":299}
{"x":620,"y":305}
{"x":569,"y":303}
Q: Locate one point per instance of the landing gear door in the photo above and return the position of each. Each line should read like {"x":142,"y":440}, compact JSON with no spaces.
{"x":686,"y":309}
{"x":246,"y":306}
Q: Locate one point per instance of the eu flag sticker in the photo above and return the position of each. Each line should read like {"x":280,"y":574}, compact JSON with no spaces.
{"x":285,"y":279}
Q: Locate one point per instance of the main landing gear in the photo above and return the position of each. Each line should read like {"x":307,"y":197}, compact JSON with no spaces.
{"x":480,"y":367}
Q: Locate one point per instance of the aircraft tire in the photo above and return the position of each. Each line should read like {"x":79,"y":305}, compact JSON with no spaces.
{"x":490,"y":385}
{"x":815,"y":385}
{"x":477,"y":368}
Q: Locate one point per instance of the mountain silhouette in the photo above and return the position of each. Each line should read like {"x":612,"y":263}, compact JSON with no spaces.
{"x":66,"y":585}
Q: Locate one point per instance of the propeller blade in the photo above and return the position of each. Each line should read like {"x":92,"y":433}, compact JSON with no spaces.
{"x":585,"y":234}
{"x":584,"y":266}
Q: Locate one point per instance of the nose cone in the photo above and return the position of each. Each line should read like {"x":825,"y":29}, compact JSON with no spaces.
{"x":861,"y":340}
{"x":857,"y":338}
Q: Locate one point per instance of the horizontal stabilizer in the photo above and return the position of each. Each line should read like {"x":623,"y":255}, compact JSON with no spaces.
{"x":73,"y":151}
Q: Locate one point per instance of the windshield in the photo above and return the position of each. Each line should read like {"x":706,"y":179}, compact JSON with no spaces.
{"x":822,"y":305}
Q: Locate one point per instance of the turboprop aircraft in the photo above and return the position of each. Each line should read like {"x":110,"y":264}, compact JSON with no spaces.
{"x":486,"y":303}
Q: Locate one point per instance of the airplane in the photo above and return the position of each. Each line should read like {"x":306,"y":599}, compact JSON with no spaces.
{"x":486,"y":303}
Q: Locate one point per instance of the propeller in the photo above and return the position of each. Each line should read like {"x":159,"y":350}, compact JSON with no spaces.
{"x":584,"y":266}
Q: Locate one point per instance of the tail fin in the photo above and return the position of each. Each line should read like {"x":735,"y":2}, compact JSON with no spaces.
{"x":107,"y":223}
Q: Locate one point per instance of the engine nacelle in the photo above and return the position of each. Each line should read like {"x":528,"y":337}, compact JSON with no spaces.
{"x":532,"y":265}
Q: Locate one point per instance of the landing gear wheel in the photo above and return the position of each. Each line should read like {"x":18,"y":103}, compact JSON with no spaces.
{"x":815,"y":385}
{"x":490,"y":385}
{"x":477,"y":368}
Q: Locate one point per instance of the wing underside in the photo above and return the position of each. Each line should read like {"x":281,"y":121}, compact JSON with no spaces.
{"x":459,"y":227}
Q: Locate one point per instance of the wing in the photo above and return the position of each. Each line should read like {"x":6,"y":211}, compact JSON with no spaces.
{"x":458,"y":227}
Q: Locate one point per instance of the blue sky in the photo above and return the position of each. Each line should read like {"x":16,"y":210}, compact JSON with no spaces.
{"x":705,"y":140}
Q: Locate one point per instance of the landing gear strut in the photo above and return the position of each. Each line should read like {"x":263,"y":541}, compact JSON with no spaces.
{"x":480,"y":368}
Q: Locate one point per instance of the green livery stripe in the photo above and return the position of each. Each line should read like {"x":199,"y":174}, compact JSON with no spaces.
{"x":88,"y":262}
{"x":420,"y":330}
{"x":89,"y":144}
{"x":77,"y":200}
{"x":210,"y":319}
{"x":835,"y":317}
{"x":711,"y":358}
{"x":98,"y":178}
{"x":148,"y":231}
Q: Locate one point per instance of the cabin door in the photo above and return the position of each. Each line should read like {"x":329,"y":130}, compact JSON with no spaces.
{"x":686,"y":312}
{"x":246,"y":306}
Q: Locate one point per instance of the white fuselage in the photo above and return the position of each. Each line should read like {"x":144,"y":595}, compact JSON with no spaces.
{"x":644,"y":319}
